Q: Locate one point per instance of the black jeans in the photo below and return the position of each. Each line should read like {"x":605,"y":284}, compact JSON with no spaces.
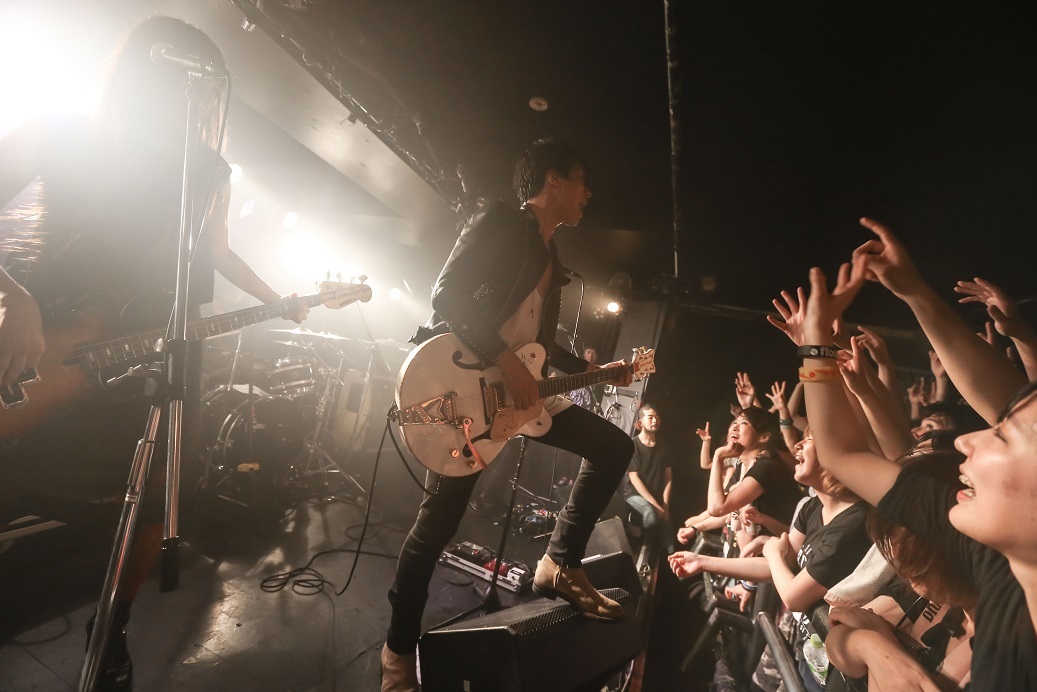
{"x":606,"y":450}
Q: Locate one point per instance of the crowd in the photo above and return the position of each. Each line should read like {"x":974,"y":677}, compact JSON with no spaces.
{"x":894,"y":525}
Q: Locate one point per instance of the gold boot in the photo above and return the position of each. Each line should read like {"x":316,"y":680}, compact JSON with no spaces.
{"x":399,"y":672}
{"x":571,"y":584}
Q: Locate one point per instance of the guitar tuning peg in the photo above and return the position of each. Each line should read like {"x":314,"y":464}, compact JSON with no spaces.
{"x":339,"y":276}
{"x":327,"y":276}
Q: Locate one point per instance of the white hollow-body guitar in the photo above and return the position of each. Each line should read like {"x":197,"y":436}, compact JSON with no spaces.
{"x":456,"y":415}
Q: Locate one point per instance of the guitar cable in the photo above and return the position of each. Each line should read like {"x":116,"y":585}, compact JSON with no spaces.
{"x":390,"y":415}
{"x":307,"y":581}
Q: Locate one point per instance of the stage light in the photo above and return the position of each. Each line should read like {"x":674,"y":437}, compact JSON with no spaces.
{"x":247,"y":209}
{"x":290,"y":219}
{"x":235,"y":173}
{"x":395,"y":293}
{"x":48,"y":67}
{"x":307,"y":256}
{"x":613,"y":307}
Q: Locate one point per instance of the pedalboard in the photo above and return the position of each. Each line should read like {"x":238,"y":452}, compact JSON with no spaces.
{"x":480,"y":562}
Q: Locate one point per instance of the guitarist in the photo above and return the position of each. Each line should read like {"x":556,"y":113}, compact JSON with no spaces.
{"x":109,"y":192}
{"x":500,"y":289}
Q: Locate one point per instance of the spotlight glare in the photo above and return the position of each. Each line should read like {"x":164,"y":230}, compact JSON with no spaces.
{"x":613,"y":307}
{"x":247,"y":209}
{"x":395,"y":293}
{"x":235,"y":173}
{"x":290,"y":219}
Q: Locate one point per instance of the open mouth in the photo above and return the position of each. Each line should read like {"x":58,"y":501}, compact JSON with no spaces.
{"x":970,"y":490}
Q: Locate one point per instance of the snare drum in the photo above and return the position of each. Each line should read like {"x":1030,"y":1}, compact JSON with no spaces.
{"x":292,"y":377}
{"x":276,"y":436}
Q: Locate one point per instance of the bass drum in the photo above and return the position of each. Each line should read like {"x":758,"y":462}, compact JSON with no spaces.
{"x":275,"y":439}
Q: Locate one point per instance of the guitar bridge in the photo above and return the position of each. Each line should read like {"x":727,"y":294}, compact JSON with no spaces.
{"x":436,"y":411}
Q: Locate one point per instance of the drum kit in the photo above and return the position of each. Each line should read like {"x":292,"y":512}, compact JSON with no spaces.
{"x":278,"y":430}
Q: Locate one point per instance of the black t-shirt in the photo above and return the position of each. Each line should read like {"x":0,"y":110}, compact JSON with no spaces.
{"x":111,"y":221}
{"x":831,"y":552}
{"x":1004,"y":650}
{"x":650,"y":463}
{"x":781,"y":493}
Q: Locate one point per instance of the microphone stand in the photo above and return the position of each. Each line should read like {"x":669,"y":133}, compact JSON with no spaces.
{"x":490,"y":602}
{"x":174,"y":367}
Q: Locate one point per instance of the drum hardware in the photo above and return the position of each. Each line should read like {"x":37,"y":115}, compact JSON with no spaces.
{"x":317,"y":461}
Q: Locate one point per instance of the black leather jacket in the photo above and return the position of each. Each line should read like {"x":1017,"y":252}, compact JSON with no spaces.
{"x":496,"y":263}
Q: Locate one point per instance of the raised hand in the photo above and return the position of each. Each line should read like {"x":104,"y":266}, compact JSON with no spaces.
{"x":888,"y":262}
{"x":875,"y":345}
{"x":792,"y":312}
{"x":1000,"y":307}
{"x":988,"y":334}
{"x":703,"y":433}
{"x":852,"y":368}
{"x":745,"y":392}
{"x":777,"y":397}
{"x":921,"y":394}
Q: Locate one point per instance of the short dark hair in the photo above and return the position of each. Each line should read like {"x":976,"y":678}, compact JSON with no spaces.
{"x":645,"y":406}
{"x":763,"y":422}
{"x":540,"y":157}
{"x":957,"y":417}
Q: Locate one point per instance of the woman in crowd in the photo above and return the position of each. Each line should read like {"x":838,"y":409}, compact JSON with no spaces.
{"x":826,"y":543}
{"x":984,"y":524}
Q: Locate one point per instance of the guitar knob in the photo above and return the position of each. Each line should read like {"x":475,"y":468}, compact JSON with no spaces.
{"x":455,"y":453}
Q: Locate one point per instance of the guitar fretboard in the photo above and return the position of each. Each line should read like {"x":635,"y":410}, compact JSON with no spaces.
{"x":561,"y":385}
{"x":106,"y":353}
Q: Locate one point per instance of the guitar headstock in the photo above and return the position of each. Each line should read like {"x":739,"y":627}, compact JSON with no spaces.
{"x":642,"y":363}
{"x":336,"y":294}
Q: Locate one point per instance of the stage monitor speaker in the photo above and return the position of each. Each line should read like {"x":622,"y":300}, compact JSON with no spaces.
{"x":543,"y":645}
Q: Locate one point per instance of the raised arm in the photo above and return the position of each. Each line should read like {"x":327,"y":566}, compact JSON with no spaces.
{"x":745,"y":391}
{"x":980,"y":372}
{"x":705,"y":460}
{"x":893,"y":436}
{"x":1007,"y":320}
{"x":876,"y":346}
{"x":841,"y":444}
{"x":785,"y":422}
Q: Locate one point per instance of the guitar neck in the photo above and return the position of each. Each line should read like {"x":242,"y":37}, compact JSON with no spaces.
{"x":107,"y":353}
{"x":561,"y":385}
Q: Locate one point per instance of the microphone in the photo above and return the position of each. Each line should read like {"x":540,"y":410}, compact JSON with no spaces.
{"x":165,"y":53}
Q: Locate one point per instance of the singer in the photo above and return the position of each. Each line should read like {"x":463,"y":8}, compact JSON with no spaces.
{"x":501,"y":288}
{"x":110,"y":196}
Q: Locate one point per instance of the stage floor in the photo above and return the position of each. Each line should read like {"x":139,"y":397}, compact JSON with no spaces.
{"x":221,"y":630}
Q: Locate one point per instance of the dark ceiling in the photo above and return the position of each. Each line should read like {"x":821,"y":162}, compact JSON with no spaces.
{"x":793,"y":119}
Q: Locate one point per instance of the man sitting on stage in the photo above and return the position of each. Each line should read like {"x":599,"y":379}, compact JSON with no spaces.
{"x":501,"y":289}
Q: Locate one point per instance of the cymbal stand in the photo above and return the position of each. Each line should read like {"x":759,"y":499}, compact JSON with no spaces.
{"x":318,"y":460}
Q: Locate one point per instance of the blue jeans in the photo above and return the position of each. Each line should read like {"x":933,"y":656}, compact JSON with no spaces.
{"x":606,"y":451}
{"x":661,"y":530}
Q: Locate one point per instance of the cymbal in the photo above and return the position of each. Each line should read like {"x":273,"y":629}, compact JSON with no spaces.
{"x":306,"y":333}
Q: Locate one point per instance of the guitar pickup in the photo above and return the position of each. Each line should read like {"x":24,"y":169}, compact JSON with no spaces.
{"x":13,"y":396}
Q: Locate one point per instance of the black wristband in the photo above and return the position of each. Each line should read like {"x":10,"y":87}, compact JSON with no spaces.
{"x":817,"y":352}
